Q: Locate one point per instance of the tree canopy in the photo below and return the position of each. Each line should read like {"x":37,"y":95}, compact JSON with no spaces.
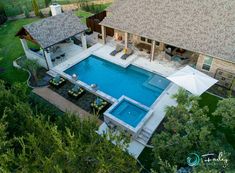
{"x":31,"y":142}
{"x":226,"y":113}
{"x":187,"y":129}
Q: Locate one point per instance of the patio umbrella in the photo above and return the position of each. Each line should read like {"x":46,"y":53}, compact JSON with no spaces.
{"x":192,"y":80}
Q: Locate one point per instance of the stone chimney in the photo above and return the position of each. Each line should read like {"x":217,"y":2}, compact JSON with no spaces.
{"x":55,"y":9}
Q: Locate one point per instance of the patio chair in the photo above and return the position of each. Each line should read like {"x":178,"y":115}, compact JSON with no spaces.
{"x":57,"y":81}
{"x":118,"y":49}
{"x":62,"y":55}
{"x":98,"y":104}
{"x":128,"y":53}
{"x":76,"y":91}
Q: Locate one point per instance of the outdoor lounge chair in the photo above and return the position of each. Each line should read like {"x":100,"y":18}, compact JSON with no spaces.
{"x":76,"y":91}
{"x":128,"y":53}
{"x":98,"y":104}
{"x":118,"y":49}
{"x":57,"y":81}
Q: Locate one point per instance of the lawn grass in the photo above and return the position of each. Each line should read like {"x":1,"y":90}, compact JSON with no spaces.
{"x":11,"y":49}
{"x":83,"y":15}
{"x":210,"y":101}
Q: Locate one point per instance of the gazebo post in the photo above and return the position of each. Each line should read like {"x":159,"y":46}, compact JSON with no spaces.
{"x":83,"y":38}
{"x":24,"y":44}
{"x":126,"y":40}
{"x":48,"y":58}
{"x":103,"y":29}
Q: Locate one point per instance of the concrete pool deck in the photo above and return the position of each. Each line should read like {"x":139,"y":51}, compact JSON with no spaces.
{"x":137,"y":146}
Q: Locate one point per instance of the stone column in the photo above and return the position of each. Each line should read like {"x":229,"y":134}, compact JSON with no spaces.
{"x":103,"y":29}
{"x":83,"y":38}
{"x":48,"y":59}
{"x":162,"y":46}
{"x":24,"y":45}
{"x":126,"y":40}
{"x":153,"y":50}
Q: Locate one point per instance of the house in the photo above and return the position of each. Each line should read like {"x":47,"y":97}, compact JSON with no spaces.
{"x":202,"y":31}
{"x":56,"y":36}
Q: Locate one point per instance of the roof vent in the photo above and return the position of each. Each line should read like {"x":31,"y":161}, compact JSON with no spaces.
{"x":55,"y":9}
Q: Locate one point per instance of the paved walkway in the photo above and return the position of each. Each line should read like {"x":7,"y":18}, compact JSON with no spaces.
{"x":62,"y":103}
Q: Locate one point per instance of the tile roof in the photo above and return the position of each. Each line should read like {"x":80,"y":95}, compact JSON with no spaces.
{"x":203,"y":26}
{"x":54,"y":29}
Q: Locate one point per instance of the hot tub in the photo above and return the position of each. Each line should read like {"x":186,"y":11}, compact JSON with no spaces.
{"x":128,"y":114}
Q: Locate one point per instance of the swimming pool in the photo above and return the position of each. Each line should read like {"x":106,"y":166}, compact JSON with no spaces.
{"x":136,"y":83}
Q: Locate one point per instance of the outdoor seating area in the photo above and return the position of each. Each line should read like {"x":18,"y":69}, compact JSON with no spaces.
{"x":98,"y":104}
{"x":76,"y":91}
{"x":84,"y":99}
{"x":144,"y":47}
{"x":127,"y":52}
{"x":118,"y":49}
{"x":57,"y":81}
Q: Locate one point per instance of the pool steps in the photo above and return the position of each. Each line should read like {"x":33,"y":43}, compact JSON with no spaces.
{"x":144,"y":136}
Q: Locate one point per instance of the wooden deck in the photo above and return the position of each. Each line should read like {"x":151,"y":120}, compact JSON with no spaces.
{"x":62,"y":103}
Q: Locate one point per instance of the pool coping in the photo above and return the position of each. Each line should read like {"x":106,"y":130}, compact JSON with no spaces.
{"x":134,"y":130}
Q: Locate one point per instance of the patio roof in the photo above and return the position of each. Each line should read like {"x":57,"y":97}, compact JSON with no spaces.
{"x":206,"y":27}
{"x":52,"y":30}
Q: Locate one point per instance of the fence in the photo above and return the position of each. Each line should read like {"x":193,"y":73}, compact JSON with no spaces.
{"x":93,"y":23}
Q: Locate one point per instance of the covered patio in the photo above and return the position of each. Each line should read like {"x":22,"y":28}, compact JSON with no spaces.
{"x":153,"y":50}
{"x":57,"y":39}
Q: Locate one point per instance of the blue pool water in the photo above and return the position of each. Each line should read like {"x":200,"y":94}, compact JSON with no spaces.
{"x":129,"y":113}
{"x":133,"y":82}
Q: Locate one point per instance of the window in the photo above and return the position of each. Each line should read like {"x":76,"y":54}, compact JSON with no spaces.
{"x":207,"y":63}
{"x":149,"y":41}
{"x":157,"y":43}
{"x":142,"y":39}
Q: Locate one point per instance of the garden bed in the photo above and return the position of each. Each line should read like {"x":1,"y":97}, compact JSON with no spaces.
{"x":42,"y":76}
{"x":83,"y":101}
{"x":221,"y":91}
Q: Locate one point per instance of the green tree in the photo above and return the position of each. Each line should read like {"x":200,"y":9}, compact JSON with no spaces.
{"x":32,"y":143}
{"x":32,"y":66}
{"x":47,"y":2}
{"x":187,"y":129}
{"x":226,"y":113}
{"x":35,"y":7}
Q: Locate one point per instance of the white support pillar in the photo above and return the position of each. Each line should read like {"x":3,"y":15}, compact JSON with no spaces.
{"x":153,"y":50}
{"x":83,"y":38}
{"x":103,"y":29}
{"x":126,"y":40}
{"x":24,"y":44}
{"x":48,"y":59}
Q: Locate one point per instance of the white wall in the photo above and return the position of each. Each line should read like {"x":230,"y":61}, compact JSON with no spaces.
{"x":34,"y":56}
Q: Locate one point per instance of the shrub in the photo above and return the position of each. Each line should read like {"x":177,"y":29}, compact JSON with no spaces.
{"x":47,"y":2}
{"x":41,"y":15}
{"x":26,"y":12}
{"x":3,"y":16}
{"x":35,"y":7}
